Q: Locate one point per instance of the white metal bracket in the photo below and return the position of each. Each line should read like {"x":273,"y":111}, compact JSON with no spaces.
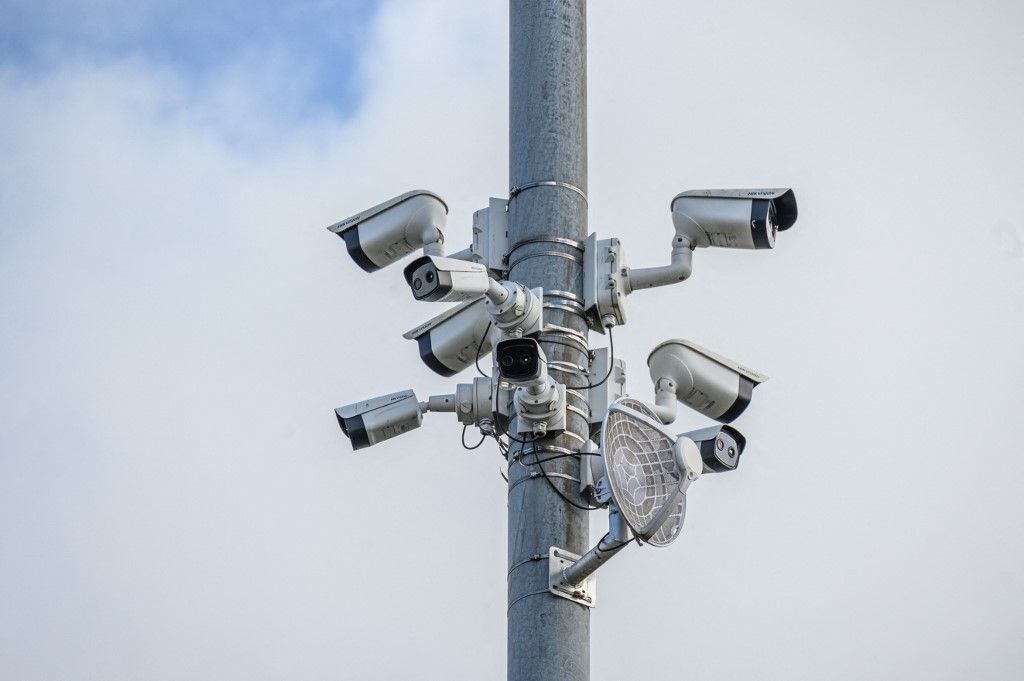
{"x":584,"y":593}
{"x":490,"y":237}
{"x":604,"y":284}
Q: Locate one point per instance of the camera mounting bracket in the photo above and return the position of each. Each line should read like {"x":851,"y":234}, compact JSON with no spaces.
{"x":584,"y":593}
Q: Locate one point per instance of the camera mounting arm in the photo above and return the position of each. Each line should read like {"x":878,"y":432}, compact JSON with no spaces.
{"x":679,"y":269}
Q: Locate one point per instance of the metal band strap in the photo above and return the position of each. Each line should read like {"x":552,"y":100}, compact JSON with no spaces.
{"x":565,"y":295}
{"x":519,"y":189}
{"x":536,"y":475}
{"x":546,"y":239}
{"x":578,"y":259}
{"x":577,"y":410}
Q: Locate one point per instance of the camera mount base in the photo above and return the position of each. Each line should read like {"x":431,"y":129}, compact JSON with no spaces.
{"x":584,"y":593}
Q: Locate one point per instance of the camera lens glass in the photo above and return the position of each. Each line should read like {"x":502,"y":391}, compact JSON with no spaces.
{"x":507,"y":361}
{"x":417,"y":284}
{"x":429,"y":276}
{"x":525,"y":360}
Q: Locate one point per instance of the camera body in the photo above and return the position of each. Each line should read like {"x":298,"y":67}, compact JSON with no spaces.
{"x":720,"y":447}
{"x":702,"y":380}
{"x":389,"y":231}
{"x":446,"y":280}
{"x":449,"y":342}
{"x":520,"y":360}
{"x":380,"y":418}
{"x":539,"y":402}
{"x":733,"y":218}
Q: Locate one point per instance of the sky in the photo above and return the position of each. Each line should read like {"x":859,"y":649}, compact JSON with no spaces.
{"x":176,"y":501}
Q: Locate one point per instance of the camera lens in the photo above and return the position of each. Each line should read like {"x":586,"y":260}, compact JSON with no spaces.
{"x":417,"y":284}
{"x":429,"y":276}
{"x":524,"y":360}
{"x":507,"y":361}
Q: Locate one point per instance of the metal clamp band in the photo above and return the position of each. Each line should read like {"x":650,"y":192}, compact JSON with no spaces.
{"x":567,"y":367}
{"x":565,"y":295}
{"x":566,"y":331}
{"x":564,"y":308}
{"x":519,"y":189}
{"x":536,"y":475}
{"x":549,"y":239}
{"x":578,"y":411}
{"x":555,"y":337}
{"x":546,"y":254}
{"x":568,"y":433}
{"x":575,"y":392}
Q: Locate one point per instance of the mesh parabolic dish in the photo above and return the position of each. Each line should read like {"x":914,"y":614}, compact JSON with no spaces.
{"x":642,"y":472}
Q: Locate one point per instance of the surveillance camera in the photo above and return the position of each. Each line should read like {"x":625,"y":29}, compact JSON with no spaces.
{"x":733,"y":218}
{"x":520,"y":360}
{"x":452,"y":340}
{"x":539,"y":401}
{"x":388,"y":232}
{"x":446,"y":280}
{"x":720,"y":447}
{"x":381,"y":418}
{"x":709,"y":383}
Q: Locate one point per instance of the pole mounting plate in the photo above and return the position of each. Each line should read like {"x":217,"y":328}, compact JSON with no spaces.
{"x":584,"y":594}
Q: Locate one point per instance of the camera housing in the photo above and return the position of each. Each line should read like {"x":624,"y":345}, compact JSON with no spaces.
{"x":720,"y":447}
{"x":702,"y":380}
{"x":389,"y":231}
{"x":520,"y":360}
{"x":447,"y":280}
{"x":538,"y":400}
{"x":380,"y":418}
{"x":733,"y":218}
{"x":449,"y":342}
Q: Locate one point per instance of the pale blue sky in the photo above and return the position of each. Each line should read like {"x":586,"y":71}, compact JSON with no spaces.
{"x":195,"y":38}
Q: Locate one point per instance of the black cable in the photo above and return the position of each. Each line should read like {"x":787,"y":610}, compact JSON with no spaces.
{"x":611,"y":366}
{"x":479,"y":348}
{"x":617,"y":546}
{"x":477,"y":445}
{"x":559,"y":492}
{"x":557,"y":342}
{"x":514,"y":439}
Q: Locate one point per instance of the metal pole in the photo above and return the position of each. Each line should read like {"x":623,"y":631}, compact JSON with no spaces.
{"x":548,"y":636}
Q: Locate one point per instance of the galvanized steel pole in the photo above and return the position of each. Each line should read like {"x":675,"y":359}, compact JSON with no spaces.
{"x":548,"y":636}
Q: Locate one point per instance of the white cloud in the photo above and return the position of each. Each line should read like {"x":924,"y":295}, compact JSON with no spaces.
{"x":176,"y":501}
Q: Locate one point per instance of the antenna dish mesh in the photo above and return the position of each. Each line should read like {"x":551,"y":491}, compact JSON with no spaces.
{"x":642,"y":472}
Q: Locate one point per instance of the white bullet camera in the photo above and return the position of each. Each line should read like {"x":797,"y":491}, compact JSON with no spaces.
{"x":447,"y":280}
{"x":733,"y":218}
{"x":704,"y":381}
{"x":389,"y":231}
{"x":380,"y":418}
{"x":450,"y":341}
{"x":720,"y":447}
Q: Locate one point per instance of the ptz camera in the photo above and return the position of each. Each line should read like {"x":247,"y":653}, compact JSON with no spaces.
{"x":702,"y":380}
{"x":389,"y":231}
{"x":733,"y":218}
